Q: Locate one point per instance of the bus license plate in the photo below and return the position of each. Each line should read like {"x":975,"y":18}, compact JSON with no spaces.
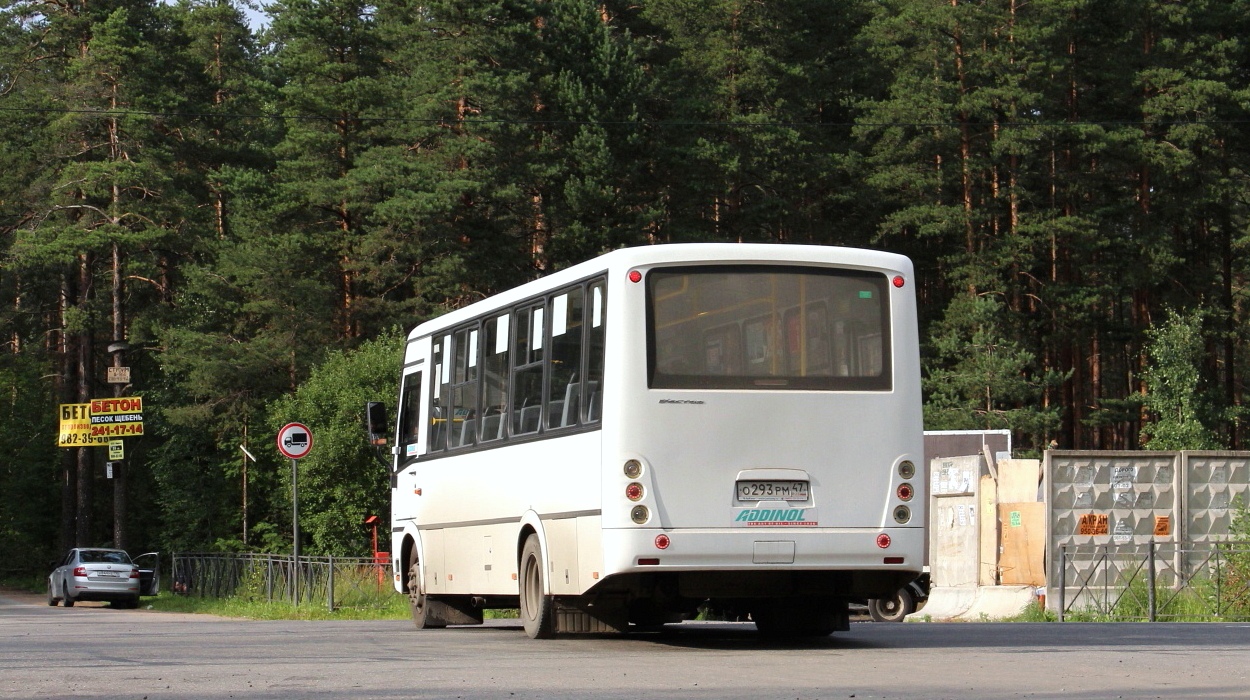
{"x":772,"y":490}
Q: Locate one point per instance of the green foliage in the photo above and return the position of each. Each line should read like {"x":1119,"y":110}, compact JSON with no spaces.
{"x":29,"y":501}
{"x":1175,"y":392}
{"x":1060,"y":174}
{"x":979,"y":377}
{"x":342,"y":481}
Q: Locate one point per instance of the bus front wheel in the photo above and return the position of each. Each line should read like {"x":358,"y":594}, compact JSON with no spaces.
{"x":535,"y":605}
{"x":418,"y":602}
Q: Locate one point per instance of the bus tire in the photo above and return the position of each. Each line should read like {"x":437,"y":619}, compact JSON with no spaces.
{"x":536,"y":608}
{"x":894,"y":608}
{"x":418,"y":603}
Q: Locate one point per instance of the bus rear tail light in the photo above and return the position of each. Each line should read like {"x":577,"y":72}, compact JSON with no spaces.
{"x":635,"y":276}
{"x":892,"y":560}
{"x":633,"y":491}
{"x":899,"y":281}
{"x":633,"y":469}
{"x":906,"y":469}
{"x":662,"y":541}
{"x":905,"y":492}
{"x":883,"y":540}
{"x":902,"y":514}
{"x":648,"y":561}
{"x":639,"y":514}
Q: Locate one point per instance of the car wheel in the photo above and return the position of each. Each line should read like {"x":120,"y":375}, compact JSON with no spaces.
{"x":536,"y":608}
{"x":68,"y":601}
{"x":894,"y":608}
{"x":52,"y":599}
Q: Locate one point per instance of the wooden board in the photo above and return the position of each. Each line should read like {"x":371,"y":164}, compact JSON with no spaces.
{"x":987,"y":570}
{"x":1018,"y":480}
{"x":1023,"y":528}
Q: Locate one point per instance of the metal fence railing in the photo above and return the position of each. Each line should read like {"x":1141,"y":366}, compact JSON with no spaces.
{"x":336,"y":582}
{"x":1179,"y":581}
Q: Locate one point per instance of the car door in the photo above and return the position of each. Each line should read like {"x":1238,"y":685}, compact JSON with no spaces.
{"x":149,"y":564}
{"x":63,"y":572}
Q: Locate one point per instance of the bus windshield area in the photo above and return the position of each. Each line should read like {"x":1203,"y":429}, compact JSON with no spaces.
{"x":768,"y":327}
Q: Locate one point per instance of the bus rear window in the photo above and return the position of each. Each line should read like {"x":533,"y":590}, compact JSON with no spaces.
{"x":768,"y":327}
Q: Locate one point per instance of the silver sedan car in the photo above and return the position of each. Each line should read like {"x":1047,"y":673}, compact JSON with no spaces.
{"x":95,"y":574}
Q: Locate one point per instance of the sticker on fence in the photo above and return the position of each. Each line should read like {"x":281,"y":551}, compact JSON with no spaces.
{"x":1093,"y":524}
{"x":1123,"y":532}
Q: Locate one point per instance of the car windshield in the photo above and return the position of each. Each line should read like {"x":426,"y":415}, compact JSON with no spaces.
{"x":89,"y":556}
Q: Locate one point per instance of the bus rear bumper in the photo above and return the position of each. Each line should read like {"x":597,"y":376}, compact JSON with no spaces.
{"x":628,"y":551}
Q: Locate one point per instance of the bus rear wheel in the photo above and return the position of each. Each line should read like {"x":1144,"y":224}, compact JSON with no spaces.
{"x":418,"y":603}
{"x":536,"y":607}
{"x":894,"y":608}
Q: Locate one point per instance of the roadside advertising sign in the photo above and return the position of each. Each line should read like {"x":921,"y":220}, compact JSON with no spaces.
{"x":76,"y":427}
{"x":118,"y":417}
{"x":94,"y":424}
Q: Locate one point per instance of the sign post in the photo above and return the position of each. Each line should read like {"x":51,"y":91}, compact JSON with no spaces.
{"x":295,"y":442}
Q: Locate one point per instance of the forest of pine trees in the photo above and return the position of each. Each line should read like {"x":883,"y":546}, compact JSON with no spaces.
{"x":257,"y":214}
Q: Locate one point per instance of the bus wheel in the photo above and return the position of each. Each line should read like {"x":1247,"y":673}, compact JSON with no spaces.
{"x":535,"y":607}
{"x":894,"y":608}
{"x":418,"y":602}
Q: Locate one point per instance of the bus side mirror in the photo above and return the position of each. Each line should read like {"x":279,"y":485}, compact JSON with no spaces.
{"x":376,"y":422}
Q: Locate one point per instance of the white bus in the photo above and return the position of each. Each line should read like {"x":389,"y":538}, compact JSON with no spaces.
{"x":664,"y":428}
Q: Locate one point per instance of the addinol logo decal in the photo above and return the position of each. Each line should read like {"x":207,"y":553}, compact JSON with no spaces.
{"x":776,"y":517}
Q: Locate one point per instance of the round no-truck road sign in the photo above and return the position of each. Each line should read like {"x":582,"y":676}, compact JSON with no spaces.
{"x":295,"y":440}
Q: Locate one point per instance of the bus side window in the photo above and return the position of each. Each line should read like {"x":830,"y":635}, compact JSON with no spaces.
{"x":527,"y":378}
{"x":463,"y":418}
{"x":440,"y":393}
{"x":409,"y":411}
{"x":566,"y":359}
{"x":596,"y":322}
{"x":495,"y":368}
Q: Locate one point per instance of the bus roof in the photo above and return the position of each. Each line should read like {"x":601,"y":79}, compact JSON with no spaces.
{"x":673,"y":253}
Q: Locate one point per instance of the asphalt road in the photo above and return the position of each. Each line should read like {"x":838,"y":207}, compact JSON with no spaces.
{"x":95,"y":651}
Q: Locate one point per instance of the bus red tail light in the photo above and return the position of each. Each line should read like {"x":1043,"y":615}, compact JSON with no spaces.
{"x":662,"y":541}
{"x":883,"y":540}
{"x":905,"y":492}
{"x":633,"y":491}
{"x":649,"y":561}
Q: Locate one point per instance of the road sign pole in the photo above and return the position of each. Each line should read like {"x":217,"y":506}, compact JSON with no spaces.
{"x":295,"y":440}
{"x":295,"y":526}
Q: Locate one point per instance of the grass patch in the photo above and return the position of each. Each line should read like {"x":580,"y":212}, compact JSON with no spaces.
{"x":1032,"y":613}
{"x":393,"y":607}
{"x":34,"y":583}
